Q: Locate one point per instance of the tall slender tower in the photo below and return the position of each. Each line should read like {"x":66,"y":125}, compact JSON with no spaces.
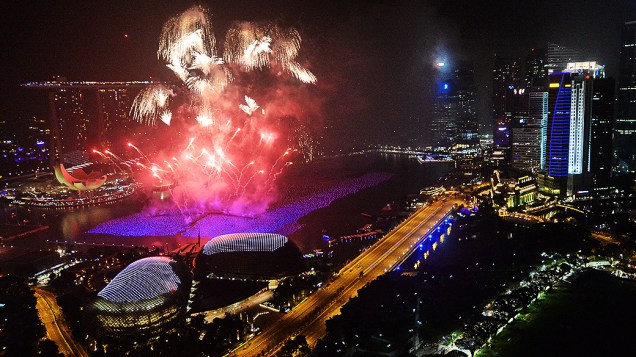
{"x":506,"y":81}
{"x":602,"y":130}
{"x":455,"y":114}
{"x":580,"y":112}
{"x":536,"y":76}
{"x":625,"y":139}
{"x":558,"y":130}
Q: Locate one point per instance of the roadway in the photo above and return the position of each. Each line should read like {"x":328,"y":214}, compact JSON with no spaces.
{"x":56,"y":328}
{"x":308,"y":318}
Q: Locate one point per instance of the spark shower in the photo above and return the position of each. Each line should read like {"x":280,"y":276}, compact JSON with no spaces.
{"x":234,"y":116}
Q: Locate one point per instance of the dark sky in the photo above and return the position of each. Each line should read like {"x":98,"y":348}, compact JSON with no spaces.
{"x":373,"y":59}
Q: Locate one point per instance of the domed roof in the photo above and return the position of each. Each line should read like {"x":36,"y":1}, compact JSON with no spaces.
{"x":144,"y":279}
{"x":244,"y":242}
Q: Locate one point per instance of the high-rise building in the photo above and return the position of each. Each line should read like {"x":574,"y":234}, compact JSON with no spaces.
{"x":73,"y":115}
{"x":538,"y":116}
{"x":444,"y":124}
{"x":114,"y":119}
{"x":506,"y":91}
{"x":526,"y":147}
{"x":455,"y":114}
{"x":506,"y":75}
{"x":516,"y":115}
{"x":602,"y":130}
{"x":580,"y":126}
{"x":536,"y":75}
{"x":558,"y":126}
{"x":87,"y":114}
{"x":579,"y":130}
{"x":625,"y":139}
{"x":528,"y":132}
{"x":559,"y":56}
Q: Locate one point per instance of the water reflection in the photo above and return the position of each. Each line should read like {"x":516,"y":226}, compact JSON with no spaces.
{"x":340,"y":218}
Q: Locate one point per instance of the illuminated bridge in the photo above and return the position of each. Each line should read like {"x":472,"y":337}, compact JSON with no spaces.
{"x":308,"y":318}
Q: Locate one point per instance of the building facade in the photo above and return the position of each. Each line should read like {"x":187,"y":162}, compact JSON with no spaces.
{"x":602,"y":131}
{"x":558,"y":126}
{"x":579,"y":127}
{"x":84,"y":115}
{"x":538,"y":116}
{"x":454,"y":112}
{"x":625,"y":128}
{"x":505,"y":86}
{"x":536,"y":76}
{"x":526,"y":147}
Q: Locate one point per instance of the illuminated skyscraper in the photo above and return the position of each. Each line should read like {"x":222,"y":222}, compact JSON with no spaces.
{"x":509,"y":105}
{"x":506,"y":75}
{"x":538,"y":116}
{"x":114,"y":121}
{"x":580,"y":125}
{"x":536,"y":75}
{"x":526,"y":147}
{"x":579,"y":130}
{"x":558,"y":130}
{"x":455,"y":114}
{"x":87,"y":114}
{"x":625,"y":139}
{"x":529,"y":137}
{"x":72,"y":107}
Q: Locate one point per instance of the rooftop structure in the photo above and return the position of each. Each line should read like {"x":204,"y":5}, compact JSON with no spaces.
{"x":144,"y":279}
{"x":252,"y":256}
{"x":245,"y":242}
{"x":146,"y":298}
{"x":52,"y":85}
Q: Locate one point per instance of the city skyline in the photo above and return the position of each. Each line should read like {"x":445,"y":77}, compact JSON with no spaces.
{"x":391,"y":67}
{"x":310,"y":178}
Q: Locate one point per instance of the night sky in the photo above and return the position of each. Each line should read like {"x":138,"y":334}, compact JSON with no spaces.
{"x":373,"y":59}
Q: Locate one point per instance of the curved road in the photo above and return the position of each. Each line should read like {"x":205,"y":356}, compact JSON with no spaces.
{"x":56,"y":328}
{"x":308,"y":318}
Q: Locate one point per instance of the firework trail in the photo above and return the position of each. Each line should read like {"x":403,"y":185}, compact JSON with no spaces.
{"x":152,"y":103}
{"x":231,"y":145}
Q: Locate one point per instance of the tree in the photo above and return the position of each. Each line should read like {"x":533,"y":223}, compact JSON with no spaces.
{"x":19,"y":321}
{"x":48,"y":348}
{"x":294,"y":347}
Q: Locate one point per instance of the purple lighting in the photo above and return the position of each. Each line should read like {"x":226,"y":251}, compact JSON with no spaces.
{"x":280,"y":219}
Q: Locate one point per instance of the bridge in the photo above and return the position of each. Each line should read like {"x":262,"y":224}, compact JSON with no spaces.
{"x":308,"y":318}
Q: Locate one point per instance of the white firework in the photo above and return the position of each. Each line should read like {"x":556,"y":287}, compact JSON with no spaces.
{"x":166,"y":117}
{"x":204,"y":63}
{"x":301,"y":73}
{"x":190,"y":29}
{"x":250,"y":107}
{"x":150,"y":103}
{"x":187,"y":44}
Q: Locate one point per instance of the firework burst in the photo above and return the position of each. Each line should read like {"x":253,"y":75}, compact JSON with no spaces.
{"x":233,"y":154}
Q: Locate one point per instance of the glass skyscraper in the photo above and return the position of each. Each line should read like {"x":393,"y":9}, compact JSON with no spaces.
{"x":558,"y":128}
